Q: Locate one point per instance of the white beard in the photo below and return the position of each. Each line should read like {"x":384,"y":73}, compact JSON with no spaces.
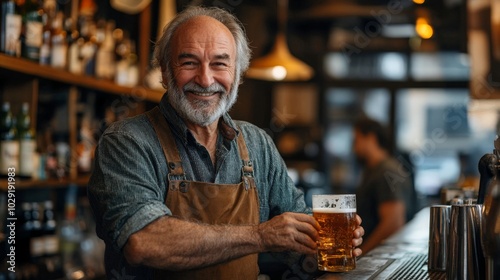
{"x":202,"y":112}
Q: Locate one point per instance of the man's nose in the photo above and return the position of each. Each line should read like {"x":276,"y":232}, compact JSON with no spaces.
{"x":204,"y":77}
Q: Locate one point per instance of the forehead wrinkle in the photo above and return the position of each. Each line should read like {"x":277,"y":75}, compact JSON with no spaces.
{"x":223,"y":56}
{"x":206,"y":27}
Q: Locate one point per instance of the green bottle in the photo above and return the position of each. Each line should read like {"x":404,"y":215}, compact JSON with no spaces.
{"x":9,"y":146}
{"x":27,"y":143}
{"x":33,"y":34}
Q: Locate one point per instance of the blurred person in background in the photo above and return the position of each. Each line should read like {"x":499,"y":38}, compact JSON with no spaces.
{"x":385,"y":195}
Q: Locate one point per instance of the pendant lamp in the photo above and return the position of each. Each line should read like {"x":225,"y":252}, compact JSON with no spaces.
{"x":280,"y":64}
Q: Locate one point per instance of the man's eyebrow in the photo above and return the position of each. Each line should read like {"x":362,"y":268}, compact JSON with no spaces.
{"x":187,"y":55}
{"x":223,"y":56}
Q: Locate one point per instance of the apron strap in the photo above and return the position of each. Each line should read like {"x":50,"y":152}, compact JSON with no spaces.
{"x":176,"y":172}
{"x":162,"y":129}
{"x":247,"y":168}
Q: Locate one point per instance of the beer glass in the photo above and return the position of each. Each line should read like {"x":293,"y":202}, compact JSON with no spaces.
{"x":336,"y":215}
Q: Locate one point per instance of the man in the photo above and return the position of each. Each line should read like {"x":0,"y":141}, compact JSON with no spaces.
{"x":385,"y":194}
{"x":183,"y":191}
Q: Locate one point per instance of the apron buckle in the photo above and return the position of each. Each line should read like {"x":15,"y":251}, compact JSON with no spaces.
{"x":183,"y":186}
{"x":246,"y":183}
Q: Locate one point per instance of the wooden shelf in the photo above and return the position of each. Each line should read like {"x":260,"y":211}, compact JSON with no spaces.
{"x":27,"y":67}
{"x":24,"y":184}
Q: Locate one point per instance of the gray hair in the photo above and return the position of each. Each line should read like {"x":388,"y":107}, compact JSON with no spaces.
{"x":163,"y":47}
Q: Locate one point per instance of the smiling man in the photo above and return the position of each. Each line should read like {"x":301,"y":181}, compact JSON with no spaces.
{"x":185,"y":192}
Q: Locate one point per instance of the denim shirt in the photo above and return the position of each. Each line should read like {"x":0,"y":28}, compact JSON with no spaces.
{"x":128,"y":186}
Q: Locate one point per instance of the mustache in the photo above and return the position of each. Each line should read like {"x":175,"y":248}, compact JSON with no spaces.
{"x":194,"y":87}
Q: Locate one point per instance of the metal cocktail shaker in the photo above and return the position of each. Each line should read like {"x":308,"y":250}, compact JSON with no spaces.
{"x":489,"y":194}
{"x":465,"y":258}
{"x":439,"y":226}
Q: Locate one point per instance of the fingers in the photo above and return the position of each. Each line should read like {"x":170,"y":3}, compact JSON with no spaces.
{"x":304,"y":231}
{"x":358,"y":234}
{"x":290,"y":231}
{"x":358,"y":219}
{"x":357,"y":252}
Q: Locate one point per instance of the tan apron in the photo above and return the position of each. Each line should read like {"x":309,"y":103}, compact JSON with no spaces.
{"x":235,"y":204}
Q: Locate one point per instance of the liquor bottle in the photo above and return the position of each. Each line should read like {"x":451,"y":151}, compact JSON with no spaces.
{"x":89,"y":47}
{"x":36,"y":241}
{"x":105,"y":57}
{"x":27,"y":143}
{"x":59,"y":50}
{"x":23,"y":234}
{"x":9,"y":146}
{"x":74,"y":53}
{"x":45,"y":48}
{"x":12,"y":23}
{"x":48,"y":16}
{"x":52,"y":257}
{"x":33,"y":30}
{"x":71,"y":233}
{"x":123,"y":50}
{"x":74,"y":46}
{"x":7,"y":7}
{"x":51,"y":240}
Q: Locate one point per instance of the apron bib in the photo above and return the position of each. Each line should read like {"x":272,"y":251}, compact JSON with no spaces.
{"x":216,"y":204}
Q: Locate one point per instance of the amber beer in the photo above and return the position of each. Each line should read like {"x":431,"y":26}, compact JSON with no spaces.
{"x":336,"y":215}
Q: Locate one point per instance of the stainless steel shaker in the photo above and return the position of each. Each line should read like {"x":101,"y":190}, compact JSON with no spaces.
{"x":465,"y":259}
{"x":439,"y":224}
{"x":489,"y":195}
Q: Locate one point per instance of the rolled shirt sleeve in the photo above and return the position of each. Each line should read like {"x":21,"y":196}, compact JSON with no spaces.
{"x":127,"y":188}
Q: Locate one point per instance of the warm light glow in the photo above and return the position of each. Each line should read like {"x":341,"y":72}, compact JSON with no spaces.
{"x":423,"y":28}
{"x":280,"y":64}
{"x":419,"y":1}
{"x":79,"y":274}
{"x":279,"y":72}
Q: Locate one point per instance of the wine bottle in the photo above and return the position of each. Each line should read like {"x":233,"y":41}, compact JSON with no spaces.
{"x":12,"y":23}
{"x":59,"y":51}
{"x":9,"y":146}
{"x":105,"y":57}
{"x":33,"y":31}
{"x":36,"y":242}
{"x":27,"y":143}
{"x":23,"y":234}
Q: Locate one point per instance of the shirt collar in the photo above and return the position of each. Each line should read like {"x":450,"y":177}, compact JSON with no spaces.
{"x":226,"y":126}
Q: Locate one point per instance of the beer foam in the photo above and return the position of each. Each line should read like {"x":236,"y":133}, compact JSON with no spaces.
{"x":334,"y":210}
{"x":338,"y":202}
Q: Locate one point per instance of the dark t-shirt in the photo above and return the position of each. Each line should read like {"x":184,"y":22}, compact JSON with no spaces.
{"x":388,"y":181}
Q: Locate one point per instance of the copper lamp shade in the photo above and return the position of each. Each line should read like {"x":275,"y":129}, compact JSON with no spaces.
{"x":280,"y":64}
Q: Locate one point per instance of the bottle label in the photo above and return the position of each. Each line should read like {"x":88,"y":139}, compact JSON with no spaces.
{"x":74,"y":63}
{"x":34,"y":34}
{"x":105,"y":64}
{"x":9,"y":151}
{"x":13,"y":26}
{"x":45,"y":54}
{"x":37,"y":246}
{"x":51,"y":244}
{"x":58,"y":56}
{"x":26,"y":157}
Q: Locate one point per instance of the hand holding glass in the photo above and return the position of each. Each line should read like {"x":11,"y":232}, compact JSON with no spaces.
{"x":336,"y":215}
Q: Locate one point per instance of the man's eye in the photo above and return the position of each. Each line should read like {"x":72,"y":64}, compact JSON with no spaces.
{"x":188,"y":63}
{"x":220,"y":64}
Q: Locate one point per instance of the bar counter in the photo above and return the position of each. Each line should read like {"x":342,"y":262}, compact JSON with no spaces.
{"x":402,"y":256}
